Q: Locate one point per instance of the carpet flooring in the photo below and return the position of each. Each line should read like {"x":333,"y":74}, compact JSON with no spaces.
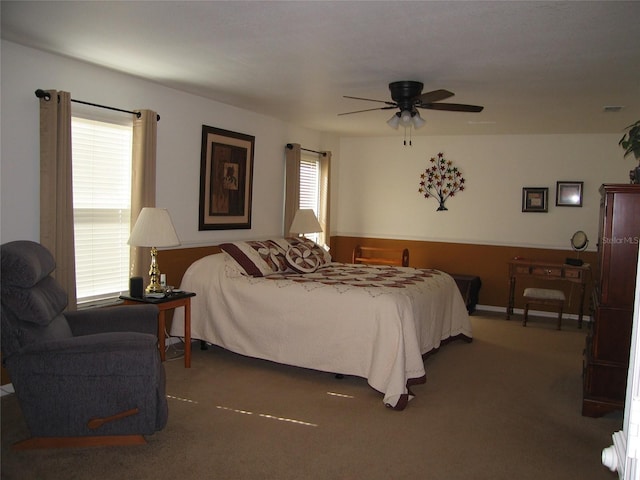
{"x":506,"y":406}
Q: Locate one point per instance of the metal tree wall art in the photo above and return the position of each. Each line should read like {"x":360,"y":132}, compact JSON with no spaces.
{"x":441,"y":180}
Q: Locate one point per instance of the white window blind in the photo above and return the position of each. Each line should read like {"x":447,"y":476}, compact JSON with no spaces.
{"x":310,"y":187}
{"x":101,"y":206}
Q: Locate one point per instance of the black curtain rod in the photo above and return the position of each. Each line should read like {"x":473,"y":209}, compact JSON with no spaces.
{"x":42,"y":94}
{"x":324,"y":154}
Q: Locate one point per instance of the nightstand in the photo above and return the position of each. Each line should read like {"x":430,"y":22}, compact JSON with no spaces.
{"x":175,"y":300}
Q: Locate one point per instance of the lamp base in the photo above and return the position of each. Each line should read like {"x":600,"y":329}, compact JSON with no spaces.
{"x":154,"y":288}
{"x":154,"y":274}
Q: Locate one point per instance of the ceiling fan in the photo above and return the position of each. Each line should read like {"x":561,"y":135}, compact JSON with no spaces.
{"x":407,"y":97}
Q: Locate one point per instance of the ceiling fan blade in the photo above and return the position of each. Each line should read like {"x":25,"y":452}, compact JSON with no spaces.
{"x":435,"y":96}
{"x":369,"y":110}
{"x":371,"y":100}
{"x":452,"y":107}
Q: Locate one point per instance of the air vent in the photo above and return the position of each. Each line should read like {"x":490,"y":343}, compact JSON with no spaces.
{"x":612,"y":108}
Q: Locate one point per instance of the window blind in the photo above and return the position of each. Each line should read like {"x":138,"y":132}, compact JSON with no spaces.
{"x":101,"y":205}
{"x":309,"y":187}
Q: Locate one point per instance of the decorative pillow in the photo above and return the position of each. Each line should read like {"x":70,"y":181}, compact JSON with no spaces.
{"x":302,"y":259}
{"x":323,"y":256}
{"x":258,"y":258}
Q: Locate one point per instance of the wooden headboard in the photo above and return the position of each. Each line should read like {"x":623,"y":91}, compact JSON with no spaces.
{"x":381,"y":256}
{"x":173,"y":263}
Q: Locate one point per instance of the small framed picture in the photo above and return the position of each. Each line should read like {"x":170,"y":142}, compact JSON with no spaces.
{"x":534,"y":199}
{"x":569,"y":194}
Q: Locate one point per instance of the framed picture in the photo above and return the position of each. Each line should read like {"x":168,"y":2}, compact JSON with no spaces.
{"x":569,"y":194}
{"x":226,"y":179}
{"x":534,"y":199}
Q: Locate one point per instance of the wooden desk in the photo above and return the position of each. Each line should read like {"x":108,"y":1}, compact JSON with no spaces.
{"x":547,"y":271}
{"x":182,"y":299}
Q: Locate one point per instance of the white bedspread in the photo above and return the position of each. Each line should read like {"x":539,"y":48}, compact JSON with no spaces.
{"x":370,"y":321}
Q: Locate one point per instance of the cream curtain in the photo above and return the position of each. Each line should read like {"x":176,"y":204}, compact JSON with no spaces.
{"x":292,"y":184}
{"x":292,"y":190}
{"x":143,"y":183}
{"x":325,"y":199}
{"x":56,"y":189}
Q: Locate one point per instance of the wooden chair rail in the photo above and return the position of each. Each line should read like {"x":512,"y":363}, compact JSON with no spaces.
{"x":381,"y":256}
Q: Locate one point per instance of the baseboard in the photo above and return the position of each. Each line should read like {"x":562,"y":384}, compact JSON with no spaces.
{"x":535,"y":313}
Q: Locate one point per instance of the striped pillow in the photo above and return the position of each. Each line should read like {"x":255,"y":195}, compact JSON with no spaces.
{"x":258,"y":258}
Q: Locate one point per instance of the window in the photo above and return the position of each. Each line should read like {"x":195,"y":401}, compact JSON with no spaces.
{"x":307,"y":186}
{"x":101,"y":151}
{"x":310,"y":188}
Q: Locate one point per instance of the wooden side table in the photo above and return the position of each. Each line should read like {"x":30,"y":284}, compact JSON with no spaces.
{"x":175,"y":300}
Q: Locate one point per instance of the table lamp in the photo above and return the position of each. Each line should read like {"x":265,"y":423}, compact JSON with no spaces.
{"x":305,"y":221}
{"x":154,"y":229}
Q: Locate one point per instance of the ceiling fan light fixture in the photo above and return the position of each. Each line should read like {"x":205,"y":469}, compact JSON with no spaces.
{"x":405,"y":118}
{"x":418,"y":121}
{"x":394,"y":121}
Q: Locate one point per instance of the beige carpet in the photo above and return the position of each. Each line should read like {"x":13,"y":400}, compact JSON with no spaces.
{"x":506,"y":406}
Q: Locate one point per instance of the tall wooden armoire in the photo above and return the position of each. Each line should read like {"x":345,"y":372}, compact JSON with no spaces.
{"x":606,"y":358}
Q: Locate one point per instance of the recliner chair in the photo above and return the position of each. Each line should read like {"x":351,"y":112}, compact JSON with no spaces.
{"x":85,"y":378}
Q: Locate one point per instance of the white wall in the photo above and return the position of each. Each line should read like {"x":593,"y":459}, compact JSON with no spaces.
{"x":23,"y":70}
{"x":378,"y":182}
{"x":375,"y":180}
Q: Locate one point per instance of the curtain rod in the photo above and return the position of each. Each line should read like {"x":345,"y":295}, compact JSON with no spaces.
{"x":324,"y":154}
{"x":42,"y":94}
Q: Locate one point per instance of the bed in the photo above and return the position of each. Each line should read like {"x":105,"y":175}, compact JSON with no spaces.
{"x":284,"y":300}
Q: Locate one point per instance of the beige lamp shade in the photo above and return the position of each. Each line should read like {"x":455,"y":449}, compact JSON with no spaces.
{"x":154,"y":228}
{"x":305,"y":221}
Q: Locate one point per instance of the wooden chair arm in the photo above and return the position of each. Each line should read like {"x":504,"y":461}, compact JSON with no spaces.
{"x":97,"y":422}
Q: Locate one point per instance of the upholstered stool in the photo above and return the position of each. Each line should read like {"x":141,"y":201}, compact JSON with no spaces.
{"x":543,"y":296}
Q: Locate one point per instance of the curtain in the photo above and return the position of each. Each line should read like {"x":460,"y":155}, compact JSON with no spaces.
{"x":292,"y":185}
{"x":56,"y":189}
{"x":143,"y":184}
{"x":292,"y":190}
{"x":325,"y":199}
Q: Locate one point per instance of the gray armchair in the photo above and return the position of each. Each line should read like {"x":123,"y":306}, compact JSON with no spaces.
{"x":91,"y":377}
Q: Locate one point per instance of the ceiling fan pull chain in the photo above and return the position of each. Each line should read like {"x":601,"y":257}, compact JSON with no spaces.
{"x":405,"y":136}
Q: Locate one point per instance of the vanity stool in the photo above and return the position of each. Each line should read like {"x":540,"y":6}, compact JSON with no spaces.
{"x":543,"y":296}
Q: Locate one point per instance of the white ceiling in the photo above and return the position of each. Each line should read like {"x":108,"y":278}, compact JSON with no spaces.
{"x":536,"y":66}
